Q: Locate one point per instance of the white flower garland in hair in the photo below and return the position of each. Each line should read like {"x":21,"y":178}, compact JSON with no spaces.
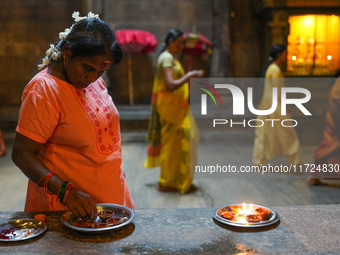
{"x":53,"y":53}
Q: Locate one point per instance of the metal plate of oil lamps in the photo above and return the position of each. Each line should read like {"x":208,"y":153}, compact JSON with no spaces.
{"x":21,"y":229}
{"x":246,"y":215}
{"x":119,"y":216}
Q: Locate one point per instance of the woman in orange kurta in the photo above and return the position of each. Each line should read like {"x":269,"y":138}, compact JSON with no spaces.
{"x":68,"y":139}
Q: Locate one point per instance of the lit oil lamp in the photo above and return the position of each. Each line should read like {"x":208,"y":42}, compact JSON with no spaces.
{"x":247,"y":215}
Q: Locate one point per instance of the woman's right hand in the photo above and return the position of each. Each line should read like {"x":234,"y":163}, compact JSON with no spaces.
{"x":172,"y":84}
{"x":81,"y":204}
{"x":196,"y":73}
{"x":25,"y":155}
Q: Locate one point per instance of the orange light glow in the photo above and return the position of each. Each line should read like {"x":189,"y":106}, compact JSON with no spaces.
{"x":313,"y":41}
{"x":309,"y":21}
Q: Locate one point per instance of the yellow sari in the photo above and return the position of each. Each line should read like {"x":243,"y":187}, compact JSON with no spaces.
{"x":271,"y":142}
{"x":171,"y":127}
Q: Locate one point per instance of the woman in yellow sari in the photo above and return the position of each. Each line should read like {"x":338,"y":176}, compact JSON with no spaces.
{"x":273,"y":141}
{"x":171,"y":126}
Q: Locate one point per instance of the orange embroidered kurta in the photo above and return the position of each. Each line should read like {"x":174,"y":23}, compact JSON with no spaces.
{"x":79,"y":130}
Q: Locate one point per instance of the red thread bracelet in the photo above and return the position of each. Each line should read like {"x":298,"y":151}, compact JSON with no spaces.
{"x":46,"y":181}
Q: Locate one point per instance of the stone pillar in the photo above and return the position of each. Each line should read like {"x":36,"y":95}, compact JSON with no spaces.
{"x":220,"y":62}
{"x":279,"y":27}
{"x":95,"y":6}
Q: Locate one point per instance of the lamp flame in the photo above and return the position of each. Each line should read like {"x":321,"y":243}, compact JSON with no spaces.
{"x":244,"y":210}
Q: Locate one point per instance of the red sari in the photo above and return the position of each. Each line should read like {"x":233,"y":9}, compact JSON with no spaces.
{"x":327,"y":155}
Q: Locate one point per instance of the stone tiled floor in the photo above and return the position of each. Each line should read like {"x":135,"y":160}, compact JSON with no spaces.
{"x":212,"y":192}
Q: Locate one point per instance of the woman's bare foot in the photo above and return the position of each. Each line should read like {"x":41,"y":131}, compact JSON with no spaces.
{"x":316,"y":181}
{"x":165,"y":189}
{"x":193,"y":188}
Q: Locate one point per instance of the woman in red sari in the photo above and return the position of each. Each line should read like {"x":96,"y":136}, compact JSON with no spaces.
{"x":327,"y":155}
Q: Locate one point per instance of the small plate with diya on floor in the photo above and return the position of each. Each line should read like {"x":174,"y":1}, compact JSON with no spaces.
{"x":246,"y":215}
{"x":21,"y":229}
{"x":110,"y":217}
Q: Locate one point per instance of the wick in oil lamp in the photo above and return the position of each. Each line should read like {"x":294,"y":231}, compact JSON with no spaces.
{"x":246,"y":213}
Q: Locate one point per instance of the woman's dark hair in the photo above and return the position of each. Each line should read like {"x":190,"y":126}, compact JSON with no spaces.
{"x":334,"y":77}
{"x":171,"y":36}
{"x":274,"y":53}
{"x":276,"y":50}
{"x":93,"y":36}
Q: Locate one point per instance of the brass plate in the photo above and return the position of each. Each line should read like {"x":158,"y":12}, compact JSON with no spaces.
{"x":21,"y":229}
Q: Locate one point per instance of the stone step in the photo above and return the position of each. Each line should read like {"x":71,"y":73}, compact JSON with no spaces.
{"x":134,"y":121}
